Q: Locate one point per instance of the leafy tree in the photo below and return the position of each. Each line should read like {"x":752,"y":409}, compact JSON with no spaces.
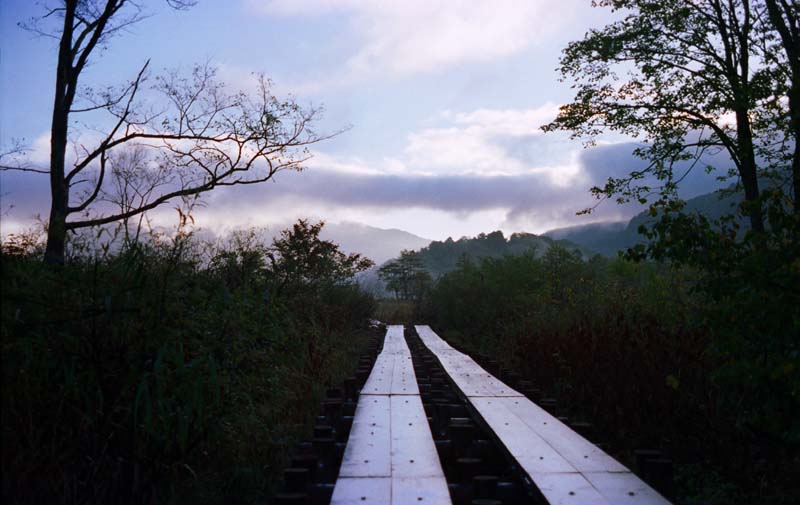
{"x":405,"y":276}
{"x":299,"y":258}
{"x":689,"y":78}
{"x":197,"y":137}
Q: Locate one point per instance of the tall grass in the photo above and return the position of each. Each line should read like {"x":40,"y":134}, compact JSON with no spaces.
{"x":172,"y":371}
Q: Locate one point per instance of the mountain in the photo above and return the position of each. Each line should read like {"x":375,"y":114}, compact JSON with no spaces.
{"x":608,"y":238}
{"x":604,"y":238}
{"x":377,"y":244}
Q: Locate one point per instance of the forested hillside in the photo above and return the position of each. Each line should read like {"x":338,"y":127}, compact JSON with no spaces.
{"x":441,"y":257}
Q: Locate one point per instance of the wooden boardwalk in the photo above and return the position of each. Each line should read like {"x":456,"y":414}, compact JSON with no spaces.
{"x":565,"y":467}
{"x":390,"y":457}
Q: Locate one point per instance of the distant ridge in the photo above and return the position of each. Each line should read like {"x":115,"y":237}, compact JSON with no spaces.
{"x":609,"y":238}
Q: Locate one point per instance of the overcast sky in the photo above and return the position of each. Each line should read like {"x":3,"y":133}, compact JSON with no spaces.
{"x":444,"y":98}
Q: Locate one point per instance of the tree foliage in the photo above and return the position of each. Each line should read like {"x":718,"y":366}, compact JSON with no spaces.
{"x":440,"y":257}
{"x":300,"y":259}
{"x":406,"y":276}
{"x":688,"y":78}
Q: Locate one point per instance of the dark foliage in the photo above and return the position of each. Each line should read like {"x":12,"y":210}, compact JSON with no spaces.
{"x":643,"y":351}
{"x":441,"y":257}
{"x":172,"y":371}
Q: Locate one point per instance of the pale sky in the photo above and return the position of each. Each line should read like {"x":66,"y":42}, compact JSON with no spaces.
{"x":444,"y":99}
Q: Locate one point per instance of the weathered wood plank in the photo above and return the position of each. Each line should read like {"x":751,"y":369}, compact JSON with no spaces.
{"x":361,"y":490}
{"x":582,"y":454}
{"x":420,"y":490}
{"x":532,"y":452}
{"x":379,"y":381}
{"x":369,"y":447}
{"x":390,"y":457}
{"x":413,"y":451}
{"x":404,"y":382}
{"x":569,"y":489}
{"x":564,"y":466}
{"x":470,"y":378}
{"x":393,"y":372}
{"x":625,"y":487}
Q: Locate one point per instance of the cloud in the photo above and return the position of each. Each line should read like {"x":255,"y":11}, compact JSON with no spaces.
{"x":405,"y":37}
{"x":512,"y":122}
{"x":617,"y":160}
{"x":482,"y":166}
{"x":488,"y":142}
{"x":533,"y":198}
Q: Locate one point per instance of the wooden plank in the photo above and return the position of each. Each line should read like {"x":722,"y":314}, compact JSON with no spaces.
{"x":395,"y":341}
{"x":390,"y":457}
{"x":532,"y":452}
{"x":404,"y":381}
{"x":625,"y":488}
{"x":568,"y":489}
{"x":431,"y":340}
{"x":582,"y":454}
{"x":379,"y":381}
{"x":369,"y":447}
{"x":393,"y":372}
{"x":420,"y":490}
{"x":563,"y":465}
{"x":470,"y":378}
{"x":361,"y":490}
{"x":413,"y":451}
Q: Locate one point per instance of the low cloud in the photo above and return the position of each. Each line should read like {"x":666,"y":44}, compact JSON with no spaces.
{"x":617,"y":160}
{"x":466,"y":166}
{"x":524,"y":201}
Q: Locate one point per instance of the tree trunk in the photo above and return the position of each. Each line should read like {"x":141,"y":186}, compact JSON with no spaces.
{"x":794,"y":128}
{"x":748,"y":171}
{"x":59,"y":188}
{"x":794,"y":107}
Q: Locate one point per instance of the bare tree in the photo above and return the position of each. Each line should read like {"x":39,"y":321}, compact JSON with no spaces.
{"x":189,"y":133}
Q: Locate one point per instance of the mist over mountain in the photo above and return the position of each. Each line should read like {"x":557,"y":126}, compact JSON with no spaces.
{"x":377,"y":244}
{"x":609,"y":238}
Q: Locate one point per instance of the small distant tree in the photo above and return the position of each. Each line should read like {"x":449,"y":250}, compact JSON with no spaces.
{"x":300,"y":259}
{"x":405,"y":276}
{"x":190,"y":134}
